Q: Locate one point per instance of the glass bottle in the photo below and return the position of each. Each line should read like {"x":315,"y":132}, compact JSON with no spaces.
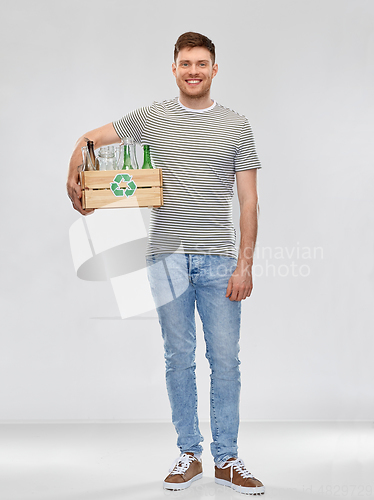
{"x":147,"y":157}
{"x":91,"y":152}
{"x":87,"y":162}
{"x":127,"y":160}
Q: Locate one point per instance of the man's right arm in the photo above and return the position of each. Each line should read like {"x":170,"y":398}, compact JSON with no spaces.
{"x":101,"y":137}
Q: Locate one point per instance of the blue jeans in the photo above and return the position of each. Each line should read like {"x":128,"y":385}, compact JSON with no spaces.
{"x":178,"y":281}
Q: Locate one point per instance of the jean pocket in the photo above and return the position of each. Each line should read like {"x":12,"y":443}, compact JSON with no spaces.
{"x":154,"y":258}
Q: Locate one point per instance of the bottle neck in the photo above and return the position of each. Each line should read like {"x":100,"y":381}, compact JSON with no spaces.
{"x":147,"y":154}
{"x":147,"y":157}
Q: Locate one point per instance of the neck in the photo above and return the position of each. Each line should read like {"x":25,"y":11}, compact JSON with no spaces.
{"x":201,"y":102}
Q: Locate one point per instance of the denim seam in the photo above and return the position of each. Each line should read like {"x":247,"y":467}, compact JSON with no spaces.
{"x":194,"y":374}
{"x":216,"y":436}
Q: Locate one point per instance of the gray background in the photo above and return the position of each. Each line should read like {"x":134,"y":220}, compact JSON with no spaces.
{"x":302,"y":71}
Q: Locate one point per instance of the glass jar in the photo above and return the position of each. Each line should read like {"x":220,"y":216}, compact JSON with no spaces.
{"x":106,"y":158}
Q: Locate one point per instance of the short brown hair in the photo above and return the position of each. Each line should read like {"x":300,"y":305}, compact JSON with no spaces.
{"x":191,"y":39}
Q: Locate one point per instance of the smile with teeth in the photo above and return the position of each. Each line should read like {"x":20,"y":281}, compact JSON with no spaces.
{"x":193,"y":81}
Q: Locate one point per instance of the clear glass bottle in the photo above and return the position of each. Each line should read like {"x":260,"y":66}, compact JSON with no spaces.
{"x":147,"y":157}
{"x":91,"y":152}
{"x":87,"y":162}
{"x":127,"y":157}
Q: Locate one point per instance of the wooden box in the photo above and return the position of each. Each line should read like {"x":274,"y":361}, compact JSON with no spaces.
{"x":121,"y":188}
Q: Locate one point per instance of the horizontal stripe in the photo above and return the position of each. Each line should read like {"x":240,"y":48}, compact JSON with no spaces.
{"x":199,"y":153}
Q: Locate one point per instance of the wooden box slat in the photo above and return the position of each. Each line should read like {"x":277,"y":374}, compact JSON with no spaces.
{"x":103,"y":198}
{"x":142,"y":178}
{"x":96,"y":192}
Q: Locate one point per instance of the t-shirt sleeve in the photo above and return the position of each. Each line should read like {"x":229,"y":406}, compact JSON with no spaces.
{"x":246,"y":155}
{"x":132,"y":124}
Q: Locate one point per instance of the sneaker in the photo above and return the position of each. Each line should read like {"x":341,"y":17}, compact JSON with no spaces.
{"x":185,"y":470}
{"x":235,"y":475}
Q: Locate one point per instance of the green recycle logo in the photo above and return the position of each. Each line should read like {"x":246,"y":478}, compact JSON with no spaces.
{"x":117,"y":191}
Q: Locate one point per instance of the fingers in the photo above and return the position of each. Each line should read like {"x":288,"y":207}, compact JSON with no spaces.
{"x":240,"y":292}
{"x":75,"y":194}
{"x":240,"y":284}
{"x":229,"y":288}
{"x":78,"y":207}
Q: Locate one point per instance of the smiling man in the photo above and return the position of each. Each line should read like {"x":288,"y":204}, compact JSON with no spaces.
{"x":191,"y":258}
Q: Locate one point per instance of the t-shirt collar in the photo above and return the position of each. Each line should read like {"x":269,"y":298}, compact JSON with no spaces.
{"x":197,"y":110}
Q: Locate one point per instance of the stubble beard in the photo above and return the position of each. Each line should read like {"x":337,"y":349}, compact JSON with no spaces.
{"x":202,"y":94}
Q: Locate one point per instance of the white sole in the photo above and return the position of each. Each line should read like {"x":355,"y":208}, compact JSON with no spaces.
{"x":182,"y":486}
{"x":256,"y":490}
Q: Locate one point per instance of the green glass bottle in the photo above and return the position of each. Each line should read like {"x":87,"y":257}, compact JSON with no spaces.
{"x":129,"y":156}
{"x":147,"y":157}
{"x":126,"y":158}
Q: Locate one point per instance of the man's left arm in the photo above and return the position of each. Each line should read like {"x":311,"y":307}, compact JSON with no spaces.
{"x":240,"y":283}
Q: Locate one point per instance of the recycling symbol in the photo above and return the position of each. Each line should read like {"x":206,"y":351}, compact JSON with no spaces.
{"x":117,"y":191}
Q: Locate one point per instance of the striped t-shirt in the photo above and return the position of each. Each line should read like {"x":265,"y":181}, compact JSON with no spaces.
{"x":199,"y":152}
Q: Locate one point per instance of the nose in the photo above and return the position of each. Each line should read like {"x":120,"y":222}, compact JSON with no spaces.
{"x":193,"y":69}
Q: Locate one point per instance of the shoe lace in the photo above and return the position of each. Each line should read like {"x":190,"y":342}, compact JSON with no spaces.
{"x":240,"y":468}
{"x":181,"y":464}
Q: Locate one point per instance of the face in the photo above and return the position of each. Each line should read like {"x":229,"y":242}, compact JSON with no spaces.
{"x":194,"y":71}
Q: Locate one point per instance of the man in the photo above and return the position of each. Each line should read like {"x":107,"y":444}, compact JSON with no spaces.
{"x":191,"y":256}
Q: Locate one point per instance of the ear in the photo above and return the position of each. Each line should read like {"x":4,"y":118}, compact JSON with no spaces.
{"x":174,"y":69}
{"x":215,"y":70}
